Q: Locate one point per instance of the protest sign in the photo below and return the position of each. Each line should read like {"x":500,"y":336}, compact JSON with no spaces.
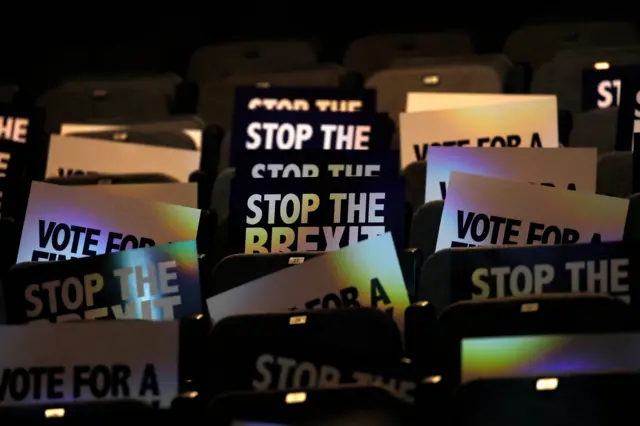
{"x":179,"y":194}
{"x":273,"y":372}
{"x":482,"y":211}
{"x":525,"y":124}
{"x":320,"y":99}
{"x":71,"y":156}
{"x":90,"y":361}
{"x":602,"y":89}
{"x":635,"y":164}
{"x":153,"y":283}
{"x":301,"y":118}
{"x":295,"y":131}
{"x":22,"y":152}
{"x":432,"y":101}
{"x":322,"y":205}
{"x":568,"y":168}
{"x":366,"y":274}
{"x":549,"y":355}
{"x":319,"y":165}
{"x":493,"y":272}
{"x":73,"y":129}
{"x":62,"y":222}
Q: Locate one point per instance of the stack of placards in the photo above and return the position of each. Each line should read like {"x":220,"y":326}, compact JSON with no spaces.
{"x":313,"y":171}
{"x":120,"y":252}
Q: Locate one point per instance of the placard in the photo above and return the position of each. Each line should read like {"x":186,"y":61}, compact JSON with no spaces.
{"x":62,"y":222}
{"x":277,"y":372}
{"x":296,"y":118}
{"x":72,"y":129}
{"x":322,"y":165}
{"x":322,"y":204}
{"x":493,"y":272}
{"x":602,"y":89}
{"x":366,"y":274}
{"x":481,"y":211}
{"x":567,"y":168}
{"x":432,"y":101}
{"x":22,"y":152}
{"x":90,"y":361}
{"x":525,"y":124}
{"x":628,"y":110}
{"x":549,"y":355}
{"x":70,"y":155}
{"x":635,"y":164}
{"x":179,"y":194}
{"x":153,"y":283}
{"x":321,"y":99}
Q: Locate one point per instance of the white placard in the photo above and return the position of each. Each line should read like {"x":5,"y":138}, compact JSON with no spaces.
{"x":89,"y":361}
{"x":68,"y":155}
{"x":482,"y":211}
{"x":365,"y":274}
{"x":568,"y":168}
{"x":525,"y":124}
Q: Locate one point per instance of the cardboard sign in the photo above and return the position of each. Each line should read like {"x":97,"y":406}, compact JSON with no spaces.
{"x":297,"y":118}
{"x":481,"y":211}
{"x":530,"y":124}
{"x":179,"y":194}
{"x":22,"y":152}
{"x":70,"y":155}
{"x":303,"y":130}
{"x":432,"y":101}
{"x":493,"y":272}
{"x":153,"y":283}
{"x":549,"y":355}
{"x":90,"y":361}
{"x":321,"y":205}
{"x":567,"y":168}
{"x":63,"y":222}
{"x":71,"y":129}
{"x":366,"y":274}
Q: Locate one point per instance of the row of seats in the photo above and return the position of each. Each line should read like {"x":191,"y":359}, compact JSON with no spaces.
{"x":532,"y":43}
{"x":391,"y":64}
{"x":361,"y":351}
{"x":585,"y":400}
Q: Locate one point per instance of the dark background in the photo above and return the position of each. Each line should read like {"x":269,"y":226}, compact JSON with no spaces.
{"x":43,"y":53}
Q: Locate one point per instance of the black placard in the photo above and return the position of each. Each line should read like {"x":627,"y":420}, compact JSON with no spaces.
{"x":492,"y":272}
{"x":297,"y":118}
{"x":381,"y":197}
{"x":160,"y":282}
{"x":628,"y":109}
{"x":22,"y":153}
{"x":263,"y":352}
